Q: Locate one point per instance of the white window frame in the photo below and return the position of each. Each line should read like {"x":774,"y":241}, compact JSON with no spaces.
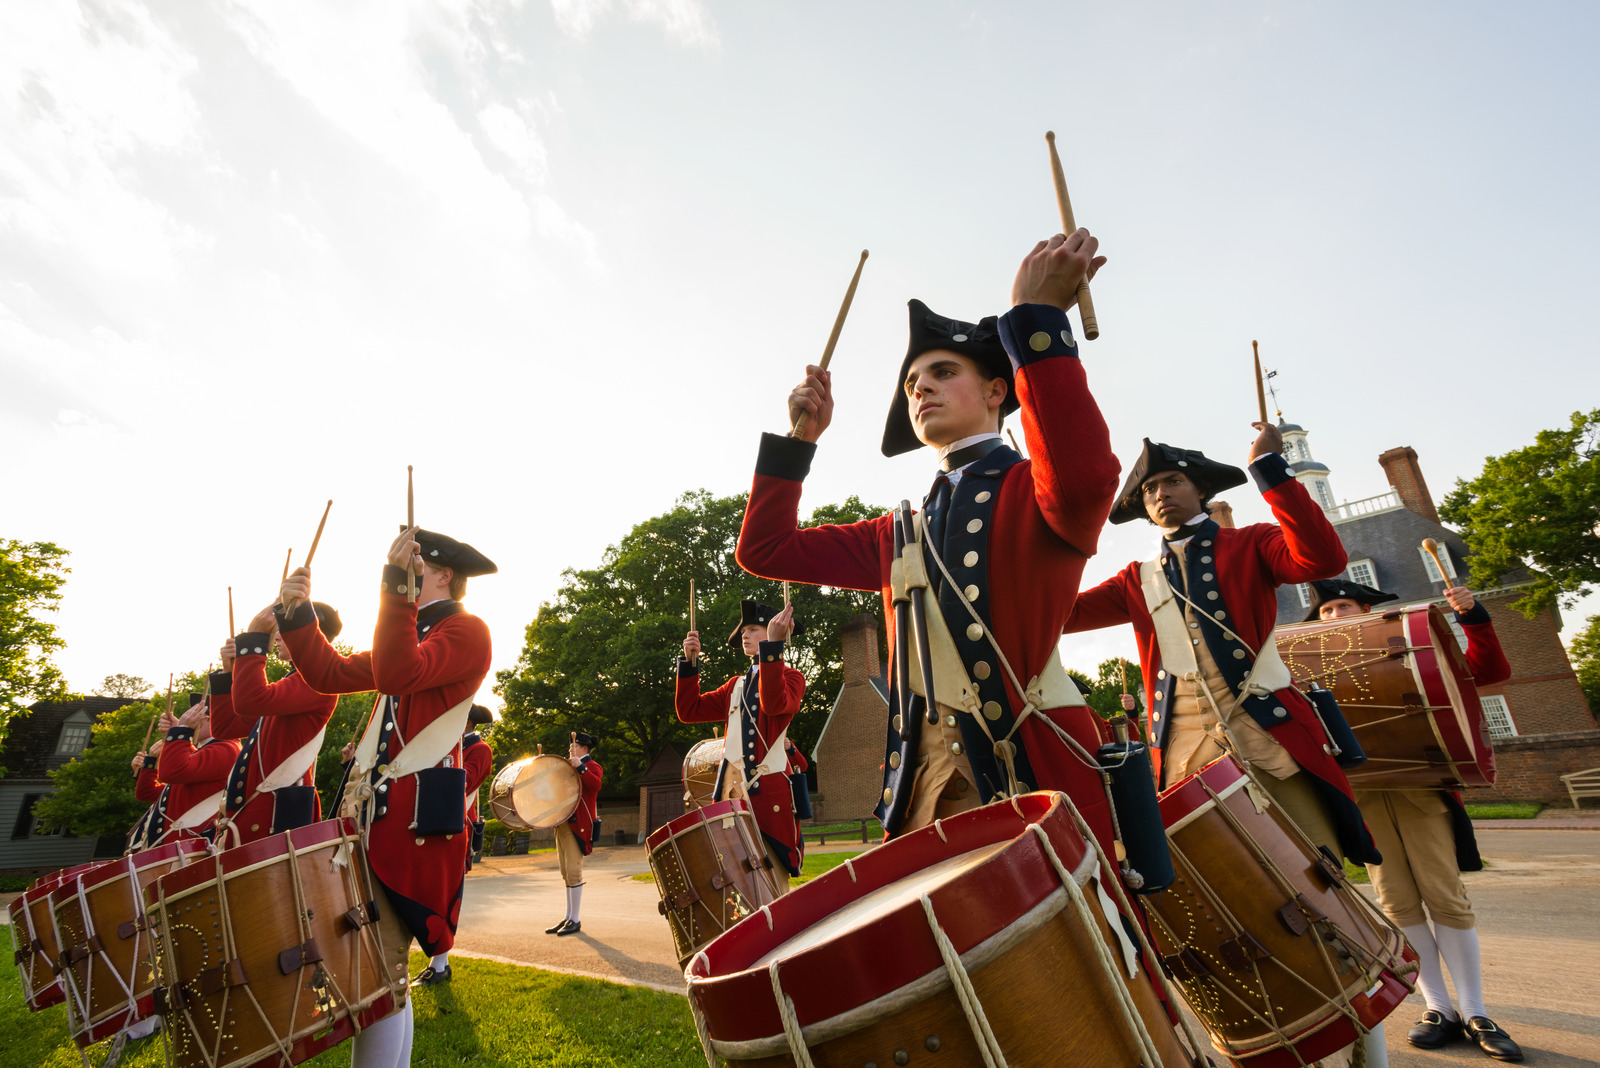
{"x":1432,"y":569}
{"x":1303,"y":591}
{"x":67,"y":730}
{"x":1324,"y":494}
{"x":1497,"y":716}
{"x":1372,"y":573}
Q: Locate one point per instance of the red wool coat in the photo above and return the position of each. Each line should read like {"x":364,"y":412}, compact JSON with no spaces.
{"x":582,"y":819}
{"x":1485,"y":659}
{"x":779,"y":689}
{"x":477,"y":758}
{"x":194,"y":773}
{"x":291,"y":713}
{"x":1047,"y":522}
{"x":430,"y":675}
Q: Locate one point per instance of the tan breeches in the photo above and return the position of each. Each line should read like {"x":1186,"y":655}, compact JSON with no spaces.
{"x":569,"y":857}
{"x":1413,"y":831}
{"x":396,"y":938}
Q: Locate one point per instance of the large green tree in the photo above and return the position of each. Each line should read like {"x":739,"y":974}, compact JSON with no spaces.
{"x":1585,"y":653}
{"x":31,"y":577}
{"x":1536,"y":507}
{"x":600,"y":656}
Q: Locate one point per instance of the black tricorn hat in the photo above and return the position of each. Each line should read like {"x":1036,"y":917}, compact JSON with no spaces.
{"x":441,"y":550}
{"x":479,"y":715}
{"x":754,"y":613}
{"x":978,"y":341}
{"x":328,"y":620}
{"x":585,"y":739}
{"x":1325,"y":590}
{"x":1209,"y":476}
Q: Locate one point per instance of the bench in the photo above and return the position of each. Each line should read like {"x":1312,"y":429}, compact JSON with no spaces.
{"x":1582,"y":784}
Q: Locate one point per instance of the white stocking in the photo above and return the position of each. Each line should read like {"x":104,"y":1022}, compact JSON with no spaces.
{"x":1463,"y":958}
{"x":382,"y":1044}
{"x":574,"y":901}
{"x":440,"y":961}
{"x":1377,"y":1051}
{"x":1430,"y":974}
{"x":405,"y":1048}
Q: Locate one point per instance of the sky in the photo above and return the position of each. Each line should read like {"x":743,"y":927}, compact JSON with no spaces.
{"x":567,"y":257}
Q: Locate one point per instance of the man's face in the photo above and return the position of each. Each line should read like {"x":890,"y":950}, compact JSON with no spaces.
{"x":576,"y":751}
{"x":1340,"y":607}
{"x":1170,"y":499}
{"x":751,"y":635}
{"x":950,"y":398}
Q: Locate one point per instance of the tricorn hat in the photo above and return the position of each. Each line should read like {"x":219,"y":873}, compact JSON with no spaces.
{"x":585,"y":739}
{"x":441,"y":550}
{"x":754,"y":613}
{"x":1209,"y":476}
{"x":978,"y":341}
{"x":479,"y":715}
{"x":1325,"y":590}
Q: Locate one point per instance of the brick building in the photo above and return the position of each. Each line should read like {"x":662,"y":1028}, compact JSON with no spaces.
{"x":1538,"y":719}
{"x":46,"y":736}
{"x":849,"y":751}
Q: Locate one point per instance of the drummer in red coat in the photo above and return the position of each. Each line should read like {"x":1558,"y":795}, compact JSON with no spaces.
{"x":1013,"y":533}
{"x":428,"y":658}
{"x":280,"y":725}
{"x":193,"y":767}
{"x":758,"y":707}
{"x":575,"y":838}
{"x":1426,"y":840}
{"x":477,"y":758}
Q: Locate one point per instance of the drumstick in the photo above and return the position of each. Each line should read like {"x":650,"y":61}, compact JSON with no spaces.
{"x":1091,"y":325}
{"x":1122,"y":669}
{"x":786,"y":593}
{"x":1431,"y":547}
{"x":1014,"y":444}
{"x":145,"y":748}
{"x":696,"y":658}
{"x":231,"y":631}
{"x":1261,"y":392}
{"x":833,"y":338}
{"x":411,"y":521}
{"x":318,"y":536}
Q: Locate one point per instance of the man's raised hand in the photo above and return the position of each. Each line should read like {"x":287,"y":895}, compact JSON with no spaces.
{"x":406,"y":551}
{"x":229,"y":652}
{"x":1269,"y":440}
{"x":295,"y":589}
{"x":782,"y":625}
{"x":691,"y":645}
{"x":814,"y":397}
{"x":1051,"y":272}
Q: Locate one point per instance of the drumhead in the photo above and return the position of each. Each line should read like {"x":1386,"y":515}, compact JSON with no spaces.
{"x":700,"y":771}
{"x":546,"y":791}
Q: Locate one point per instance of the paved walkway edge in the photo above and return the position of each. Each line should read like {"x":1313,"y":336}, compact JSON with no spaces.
{"x":575,"y":972}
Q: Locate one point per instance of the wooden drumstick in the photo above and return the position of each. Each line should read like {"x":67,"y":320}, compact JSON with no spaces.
{"x":1091,"y":324}
{"x":1122,"y":669}
{"x":833,"y":338}
{"x":318,"y":537}
{"x":411,"y":521}
{"x":1431,"y":547}
{"x":287,"y":558}
{"x":696,"y":658}
{"x":786,"y":593}
{"x":231,"y":631}
{"x":145,"y":748}
{"x":1014,"y":444}
{"x":1261,"y":390}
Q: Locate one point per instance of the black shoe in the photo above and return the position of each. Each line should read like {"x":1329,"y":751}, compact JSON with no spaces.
{"x":557,"y":928}
{"x":1493,"y":1041}
{"x":431,"y":975}
{"x":1434,"y":1031}
{"x":570,"y":927}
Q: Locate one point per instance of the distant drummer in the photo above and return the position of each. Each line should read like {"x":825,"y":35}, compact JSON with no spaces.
{"x":1426,"y":840}
{"x":193,"y":769}
{"x":575,"y":838}
{"x":758,"y":707}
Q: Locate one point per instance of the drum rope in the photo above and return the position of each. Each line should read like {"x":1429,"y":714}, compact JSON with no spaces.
{"x":1152,"y":961}
{"x":230,"y":951}
{"x":961,"y":982}
{"x":791,"y":1023}
{"x":701,"y":1029}
{"x":1132,"y":1022}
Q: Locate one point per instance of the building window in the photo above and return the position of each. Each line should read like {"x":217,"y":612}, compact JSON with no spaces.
{"x":74,"y":738}
{"x":24,"y":825}
{"x":1303,"y":591}
{"x":1432,"y":569}
{"x":1323,"y":495}
{"x":1497,"y":716}
{"x":1363,"y":572}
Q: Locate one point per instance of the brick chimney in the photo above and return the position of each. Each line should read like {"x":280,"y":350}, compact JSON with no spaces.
{"x":1400,"y":464}
{"x":859,"y":637}
{"x":1222,"y":512}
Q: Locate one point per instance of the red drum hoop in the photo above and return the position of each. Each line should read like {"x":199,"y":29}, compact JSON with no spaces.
{"x":1274,"y":951}
{"x":99,"y":923}
{"x":1402,"y":683}
{"x":959,"y":934}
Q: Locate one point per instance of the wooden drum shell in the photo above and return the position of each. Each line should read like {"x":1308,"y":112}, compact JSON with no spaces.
{"x":855,"y":955}
{"x":1403,"y":684}
{"x":700,"y":772}
{"x":712,"y":869}
{"x":33,"y":939}
{"x":1222,"y":928}
{"x":241,"y":983}
{"x":99,"y":921}
{"x":535,"y":793}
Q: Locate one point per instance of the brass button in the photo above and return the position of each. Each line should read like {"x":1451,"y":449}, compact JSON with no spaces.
{"x":981,"y":669}
{"x":949,"y":721}
{"x":971,"y":592}
{"x":1038,"y":343}
{"x":1159,"y":695}
{"x":1161,"y":674}
{"x":1205,"y":559}
{"x":888,"y":797}
{"x":974,"y":525}
{"x":983,"y":496}
{"x":974,"y":631}
{"x":1238,"y":654}
{"x":955,"y":747}
{"x":899,"y":727}
{"x":1220,"y":614}
{"x":1280,"y":712}
{"x":970,"y":560}
{"x":894,"y":760}
{"x":255,"y":827}
{"x":992,"y":710}
{"x":1212,"y":596}
{"x":1207,"y":577}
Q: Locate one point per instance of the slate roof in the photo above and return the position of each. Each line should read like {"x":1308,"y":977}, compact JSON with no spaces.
{"x":29,"y":749}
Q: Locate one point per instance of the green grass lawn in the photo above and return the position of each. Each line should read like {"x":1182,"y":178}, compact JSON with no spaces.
{"x":1505,"y":810}
{"x":488,"y":1014}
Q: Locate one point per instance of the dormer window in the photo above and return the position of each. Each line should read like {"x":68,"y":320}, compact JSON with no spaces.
{"x":74,"y":736}
{"x":1363,"y":572}
{"x":1433,"y":569}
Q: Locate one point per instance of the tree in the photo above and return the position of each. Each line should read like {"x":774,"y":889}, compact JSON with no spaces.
{"x":600,"y":656}
{"x":1537,"y":507}
{"x":1105,"y":689}
{"x":131,"y":687}
{"x":31,"y":577}
{"x":1585,"y":654}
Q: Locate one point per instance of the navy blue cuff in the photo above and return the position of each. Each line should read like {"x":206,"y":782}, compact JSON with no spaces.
{"x":767,"y":652}
{"x":180,"y":734}
{"x":221,"y":682}
{"x":1271,"y":471}
{"x":1034,"y":332}
{"x":302,"y":616}
{"x":1478,"y":615}
{"x":395,"y":580}
{"x":784,"y":457}
{"x":688,"y":669}
{"x":149,"y":762}
{"x":252,"y":643}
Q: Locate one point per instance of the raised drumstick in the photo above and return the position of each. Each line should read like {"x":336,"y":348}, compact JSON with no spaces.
{"x":1261,"y":390}
{"x":1014,"y":444}
{"x":287,"y":557}
{"x":231,"y":631}
{"x":1431,"y":547}
{"x":691,"y":612}
{"x":786,"y":593}
{"x":411,"y":521}
{"x":318,"y":537}
{"x":833,"y":338}
{"x":1091,"y":324}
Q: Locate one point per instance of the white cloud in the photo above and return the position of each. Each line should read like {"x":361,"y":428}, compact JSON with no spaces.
{"x":685,"y":21}
{"x":515,"y":137}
